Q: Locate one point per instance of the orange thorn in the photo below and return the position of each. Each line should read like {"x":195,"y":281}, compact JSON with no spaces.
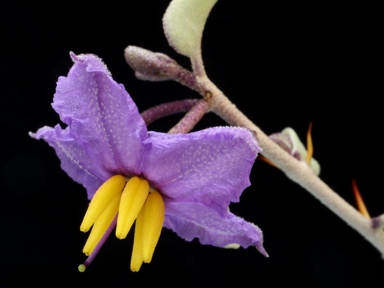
{"x":308,"y":157}
{"x":266,"y":160}
{"x":359,"y":200}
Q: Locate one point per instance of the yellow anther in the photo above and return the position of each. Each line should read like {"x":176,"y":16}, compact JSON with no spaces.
{"x":103,"y":196}
{"x":148,"y":227}
{"x":101,"y":225}
{"x":137,"y":251}
{"x":359,"y":200}
{"x":132,"y":200}
{"x":153,"y":218}
{"x":308,"y":157}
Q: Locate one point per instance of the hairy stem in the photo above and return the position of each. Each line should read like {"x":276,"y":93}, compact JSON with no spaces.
{"x":154,"y":113}
{"x":189,"y":121}
{"x":195,"y":108}
{"x":296,"y":170}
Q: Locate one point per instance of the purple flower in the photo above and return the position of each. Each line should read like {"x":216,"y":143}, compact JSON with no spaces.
{"x":184,"y":182}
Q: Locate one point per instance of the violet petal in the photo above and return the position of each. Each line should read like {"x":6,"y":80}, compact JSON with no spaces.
{"x":194,"y":220}
{"x":211,"y":165}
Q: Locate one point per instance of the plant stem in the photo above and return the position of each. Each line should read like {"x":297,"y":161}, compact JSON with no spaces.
{"x":154,"y":113}
{"x":296,"y":170}
{"x":189,"y":121}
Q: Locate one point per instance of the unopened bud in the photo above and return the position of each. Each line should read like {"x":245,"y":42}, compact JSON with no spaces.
{"x":290,"y":142}
{"x":149,"y":65}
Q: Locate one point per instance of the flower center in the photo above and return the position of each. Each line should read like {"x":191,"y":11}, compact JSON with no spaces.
{"x":126,"y":201}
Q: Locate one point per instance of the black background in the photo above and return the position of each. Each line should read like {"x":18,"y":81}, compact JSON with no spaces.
{"x":281,"y":64}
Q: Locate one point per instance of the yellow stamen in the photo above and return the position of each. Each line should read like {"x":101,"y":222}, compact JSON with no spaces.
{"x":359,"y":200}
{"x":132,"y":200}
{"x":153,"y":218}
{"x":137,"y":251}
{"x":308,"y":157}
{"x":103,"y":196}
{"x":101,"y":225}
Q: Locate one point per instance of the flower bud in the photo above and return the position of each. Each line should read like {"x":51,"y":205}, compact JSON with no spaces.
{"x":290,"y":142}
{"x":149,"y":65}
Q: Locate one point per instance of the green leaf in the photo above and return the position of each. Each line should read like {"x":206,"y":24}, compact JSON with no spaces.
{"x":183,"y":24}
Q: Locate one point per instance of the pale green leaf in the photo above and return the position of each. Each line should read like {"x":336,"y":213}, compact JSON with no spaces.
{"x":183,"y":24}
